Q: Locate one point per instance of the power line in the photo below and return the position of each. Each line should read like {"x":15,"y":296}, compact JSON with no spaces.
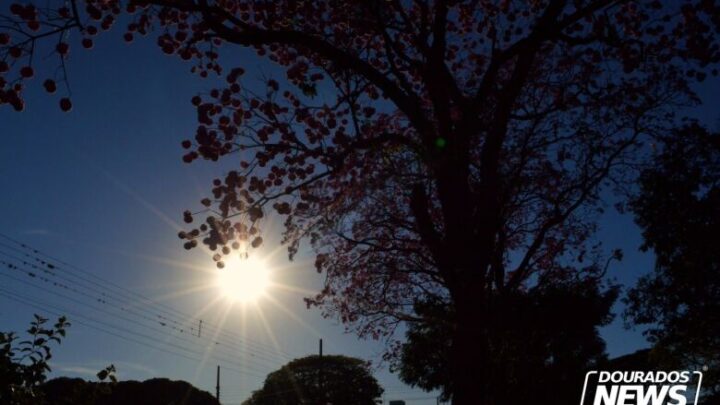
{"x":123,"y":308}
{"x":103,"y":310}
{"x":31,"y":253}
{"x":89,"y":322}
{"x":108,"y":298}
{"x":73,"y":270}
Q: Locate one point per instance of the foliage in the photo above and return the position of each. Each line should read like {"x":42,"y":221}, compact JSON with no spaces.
{"x":108,"y":373}
{"x":24,"y":364}
{"x":437,"y":150}
{"x":315,"y":379}
{"x":424,"y":358}
{"x":678,"y":208}
{"x":548,"y":339}
{"x":75,"y":391}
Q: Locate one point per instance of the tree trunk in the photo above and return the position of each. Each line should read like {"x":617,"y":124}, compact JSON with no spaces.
{"x":471,"y":367}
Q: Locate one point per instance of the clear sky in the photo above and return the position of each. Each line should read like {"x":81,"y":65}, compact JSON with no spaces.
{"x":103,"y":188}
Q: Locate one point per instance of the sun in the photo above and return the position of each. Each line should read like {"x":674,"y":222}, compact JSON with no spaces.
{"x":244,"y":279}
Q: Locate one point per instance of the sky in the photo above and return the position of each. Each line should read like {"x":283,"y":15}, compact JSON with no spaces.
{"x":102,"y":190}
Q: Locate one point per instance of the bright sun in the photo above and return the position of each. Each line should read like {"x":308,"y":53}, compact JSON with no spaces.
{"x":244,"y":279}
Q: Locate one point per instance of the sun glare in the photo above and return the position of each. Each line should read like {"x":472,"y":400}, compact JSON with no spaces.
{"x":244,"y":279}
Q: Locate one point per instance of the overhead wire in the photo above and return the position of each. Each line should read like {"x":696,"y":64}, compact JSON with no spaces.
{"x":129,"y":294}
{"x":92,"y":323}
{"x":117,"y":294}
{"x":118,"y":316}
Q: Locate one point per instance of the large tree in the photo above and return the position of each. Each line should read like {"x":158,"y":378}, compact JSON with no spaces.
{"x":544,"y":344}
{"x":678,"y":209}
{"x":319,"y":380}
{"x":458,"y":152}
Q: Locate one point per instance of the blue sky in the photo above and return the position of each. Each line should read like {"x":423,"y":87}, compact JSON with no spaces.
{"x":103,"y":188}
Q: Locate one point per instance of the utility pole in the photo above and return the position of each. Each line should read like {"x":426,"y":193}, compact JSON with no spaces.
{"x":217,"y":387}
{"x":321,"y":385}
{"x":200,"y":329}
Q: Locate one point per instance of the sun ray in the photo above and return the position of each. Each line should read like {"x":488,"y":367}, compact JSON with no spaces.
{"x":275,"y":343}
{"x":211,"y":345}
{"x":293,"y":266}
{"x":292,"y":315}
{"x":294,"y":289}
{"x":196,"y":316}
{"x":138,"y":198}
{"x":172,"y":262}
{"x":183,"y":292}
{"x":269,"y":332}
{"x":147,"y":304}
{"x":186,"y":324}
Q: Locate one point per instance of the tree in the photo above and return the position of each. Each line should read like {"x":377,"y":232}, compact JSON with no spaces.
{"x":319,"y":380}
{"x":547,"y":343}
{"x":23,"y":365}
{"x":461,"y":155}
{"x":75,"y":391}
{"x":678,"y":208}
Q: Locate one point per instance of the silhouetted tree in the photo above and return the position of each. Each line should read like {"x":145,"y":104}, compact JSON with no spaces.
{"x":678,"y":208}
{"x":71,"y":391}
{"x":24,"y":364}
{"x":423,"y":360}
{"x":314,"y":380}
{"x":450,"y":136}
{"x":75,"y":391}
{"x":548,"y":339}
